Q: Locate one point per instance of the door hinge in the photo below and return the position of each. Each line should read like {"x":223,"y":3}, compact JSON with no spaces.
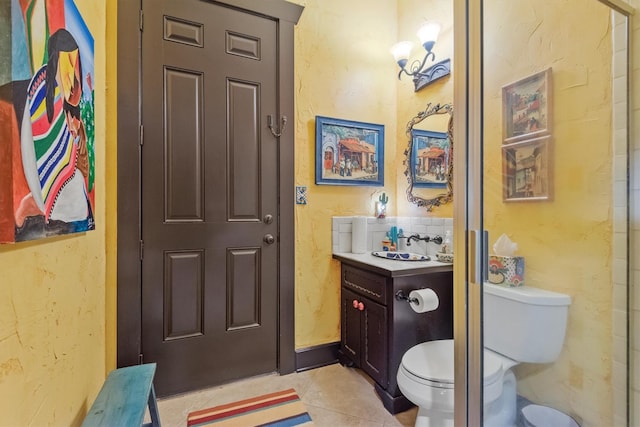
{"x":141,"y":135}
{"x":141,"y":19}
{"x":141,"y":249}
{"x":140,"y":359}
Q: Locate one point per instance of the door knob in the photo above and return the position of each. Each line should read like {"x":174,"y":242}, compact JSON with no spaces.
{"x":268,"y":219}
{"x":269,"y":239}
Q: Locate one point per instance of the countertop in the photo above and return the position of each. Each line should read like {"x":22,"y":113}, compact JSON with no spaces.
{"x":392,"y":268}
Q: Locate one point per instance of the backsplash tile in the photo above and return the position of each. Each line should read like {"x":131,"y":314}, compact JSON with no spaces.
{"x":377,"y":229}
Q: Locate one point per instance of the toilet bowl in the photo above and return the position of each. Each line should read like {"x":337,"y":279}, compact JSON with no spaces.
{"x":425,"y":377}
{"x":529,"y":323}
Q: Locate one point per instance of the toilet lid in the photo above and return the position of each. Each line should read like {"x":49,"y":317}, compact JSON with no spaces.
{"x":433,"y":361}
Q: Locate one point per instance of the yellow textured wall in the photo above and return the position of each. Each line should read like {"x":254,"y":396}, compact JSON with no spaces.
{"x":634,"y":220}
{"x":52,"y":301}
{"x":57,"y":296}
{"x":411,"y":14}
{"x":344,"y":70}
{"x":111,"y":178}
{"x":566,"y":242}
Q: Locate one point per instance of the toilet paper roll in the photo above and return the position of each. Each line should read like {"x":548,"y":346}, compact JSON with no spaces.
{"x":359,"y":235}
{"x":423,"y":300}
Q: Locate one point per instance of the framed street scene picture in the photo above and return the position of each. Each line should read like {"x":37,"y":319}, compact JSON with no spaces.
{"x":349,"y":152}
{"x":430,"y":158}
{"x":527,"y":170}
{"x":527,"y":107}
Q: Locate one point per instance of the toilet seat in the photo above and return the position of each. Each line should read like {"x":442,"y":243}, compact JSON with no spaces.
{"x":432,"y":364}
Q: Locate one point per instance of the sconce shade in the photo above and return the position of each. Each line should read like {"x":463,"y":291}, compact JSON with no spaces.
{"x":428,"y":34}
{"x":401,"y":52}
{"x":422,"y":75}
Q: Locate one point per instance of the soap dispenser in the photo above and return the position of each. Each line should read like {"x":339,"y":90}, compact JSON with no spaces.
{"x":447,"y":246}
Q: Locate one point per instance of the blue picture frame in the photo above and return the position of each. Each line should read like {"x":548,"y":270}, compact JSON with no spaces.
{"x":349,"y":152}
{"x":430,"y":158}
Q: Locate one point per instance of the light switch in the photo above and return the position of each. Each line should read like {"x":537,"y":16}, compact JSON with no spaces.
{"x":301,"y":195}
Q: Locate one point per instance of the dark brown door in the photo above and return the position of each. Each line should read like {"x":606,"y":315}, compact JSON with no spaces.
{"x":209,"y":194}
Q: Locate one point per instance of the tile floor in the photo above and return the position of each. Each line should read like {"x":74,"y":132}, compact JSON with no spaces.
{"x":334,"y":396}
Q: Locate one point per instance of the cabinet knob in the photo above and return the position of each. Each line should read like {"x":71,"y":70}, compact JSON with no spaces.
{"x":355,"y":303}
{"x":361,"y":306}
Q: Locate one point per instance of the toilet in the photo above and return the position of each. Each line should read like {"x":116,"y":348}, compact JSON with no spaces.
{"x":521,"y":324}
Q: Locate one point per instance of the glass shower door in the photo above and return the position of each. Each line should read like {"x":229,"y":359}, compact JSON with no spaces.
{"x":546,"y":213}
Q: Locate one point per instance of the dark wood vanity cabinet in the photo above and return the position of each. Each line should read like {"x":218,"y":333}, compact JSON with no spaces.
{"x":364,"y":334}
{"x":377,"y":329}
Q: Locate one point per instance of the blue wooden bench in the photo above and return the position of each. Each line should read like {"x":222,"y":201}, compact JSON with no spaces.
{"x":124,"y":398}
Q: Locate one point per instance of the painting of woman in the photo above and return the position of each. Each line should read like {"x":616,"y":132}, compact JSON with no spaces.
{"x":55,"y":154}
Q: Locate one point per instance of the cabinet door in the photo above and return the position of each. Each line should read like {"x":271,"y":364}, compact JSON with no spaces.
{"x":350,"y":326}
{"x":374,"y":355}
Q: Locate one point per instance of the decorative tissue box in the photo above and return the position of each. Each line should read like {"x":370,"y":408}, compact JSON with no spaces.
{"x":506,"y":270}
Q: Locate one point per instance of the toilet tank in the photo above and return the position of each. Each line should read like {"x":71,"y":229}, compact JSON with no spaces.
{"x":523,"y":323}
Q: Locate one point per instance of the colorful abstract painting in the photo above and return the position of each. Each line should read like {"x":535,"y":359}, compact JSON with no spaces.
{"x":47,"y":154}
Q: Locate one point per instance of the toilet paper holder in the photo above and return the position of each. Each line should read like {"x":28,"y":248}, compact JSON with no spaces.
{"x":401,"y":296}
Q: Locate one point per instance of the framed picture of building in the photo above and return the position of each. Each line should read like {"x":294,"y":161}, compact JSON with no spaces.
{"x":527,"y":107}
{"x":349,"y":152}
{"x":527,"y":170}
{"x":430,"y":158}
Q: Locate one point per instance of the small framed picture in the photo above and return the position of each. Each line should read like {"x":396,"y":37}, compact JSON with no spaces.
{"x":430,"y":158}
{"x":349,"y":153}
{"x":527,"y":170}
{"x":527,"y":107}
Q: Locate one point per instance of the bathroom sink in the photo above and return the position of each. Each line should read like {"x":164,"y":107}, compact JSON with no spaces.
{"x":401,"y":256}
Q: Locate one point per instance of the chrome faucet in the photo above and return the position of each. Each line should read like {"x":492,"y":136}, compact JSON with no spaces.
{"x":436,"y":239}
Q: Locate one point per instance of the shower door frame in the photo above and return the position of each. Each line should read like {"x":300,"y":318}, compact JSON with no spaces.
{"x":468,"y":205}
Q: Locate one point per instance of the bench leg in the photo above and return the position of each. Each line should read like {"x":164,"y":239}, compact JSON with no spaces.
{"x":153,"y":408}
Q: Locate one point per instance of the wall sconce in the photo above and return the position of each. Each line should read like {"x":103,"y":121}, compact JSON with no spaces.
{"x":428,"y":35}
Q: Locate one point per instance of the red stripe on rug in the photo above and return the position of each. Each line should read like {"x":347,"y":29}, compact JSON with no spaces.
{"x":243,"y":408}
{"x":243,"y":402}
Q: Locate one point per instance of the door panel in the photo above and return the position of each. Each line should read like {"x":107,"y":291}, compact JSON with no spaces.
{"x":350,"y":325}
{"x":183,"y":294}
{"x":184,"y":145}
{"x":244,"y":162}
{"x":209,"y":276}
{"x":374,"y":336}
{"x":243,"y":288}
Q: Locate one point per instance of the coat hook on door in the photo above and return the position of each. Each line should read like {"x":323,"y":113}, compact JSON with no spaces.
{"x":276,"y":133}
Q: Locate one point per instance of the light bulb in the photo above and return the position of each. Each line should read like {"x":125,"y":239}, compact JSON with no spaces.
{"x":401,"y":51}
{"x":428,"y":34}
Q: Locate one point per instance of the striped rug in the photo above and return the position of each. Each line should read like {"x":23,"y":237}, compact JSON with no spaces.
{"x":280,"y":409}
